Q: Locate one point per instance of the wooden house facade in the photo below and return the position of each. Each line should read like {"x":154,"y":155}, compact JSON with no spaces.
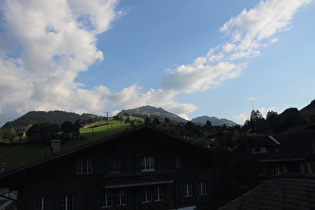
{"x":142,"y":168}
{"x":290,"y":152}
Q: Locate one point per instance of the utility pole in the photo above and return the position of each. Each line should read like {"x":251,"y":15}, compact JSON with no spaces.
{"x":107,"y":122}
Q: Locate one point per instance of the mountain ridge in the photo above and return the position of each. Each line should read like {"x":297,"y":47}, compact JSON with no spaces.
{"x":58,"y":117}
{"x":202,"y":120}
{"x":152,"y":112}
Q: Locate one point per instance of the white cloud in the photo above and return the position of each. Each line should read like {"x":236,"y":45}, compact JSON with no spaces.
{"x":191,"y":78}
{"x":246,"y":32}
{"x":241,"y":118}
{"x":45,"y":44}
{"x":51,"y":41}
{"x":263,"y":21}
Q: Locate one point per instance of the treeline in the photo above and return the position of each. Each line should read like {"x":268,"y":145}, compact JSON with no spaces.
{"x":43,"y":133}
{"x":274,"y":122}
{"x":52,"y":117}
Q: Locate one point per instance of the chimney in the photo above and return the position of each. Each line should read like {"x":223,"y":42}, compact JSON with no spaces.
{"x":55,"y":146}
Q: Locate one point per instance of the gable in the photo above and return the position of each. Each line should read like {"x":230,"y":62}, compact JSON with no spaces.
{"x":142,"y":140}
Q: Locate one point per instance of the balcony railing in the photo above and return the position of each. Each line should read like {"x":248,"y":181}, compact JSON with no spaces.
{"x":137,"y":179}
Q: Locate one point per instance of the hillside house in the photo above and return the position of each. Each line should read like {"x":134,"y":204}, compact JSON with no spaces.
{"x":142,"y":168}
{"x":290,"y":152}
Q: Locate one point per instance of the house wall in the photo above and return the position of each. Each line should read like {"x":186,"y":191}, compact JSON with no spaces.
{"x":60,"y":177}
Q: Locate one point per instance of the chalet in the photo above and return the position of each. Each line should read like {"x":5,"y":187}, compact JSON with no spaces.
{"x":290,"y":152}
{"x":141,"y":168}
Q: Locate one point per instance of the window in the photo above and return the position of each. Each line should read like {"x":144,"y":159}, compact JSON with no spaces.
{"x":42,"y":203}
{"x":148,"y":163}
{"x":115,"y":166}
{"x":302,"y":170}
{"x":107,"y":199}
{"x":66,"y":202}
{"x":84,"y":166}
{"x":159,"y":193}
{"x":188,"y":189}
{"x":154,"y":193}
{"x":120,"y":198}
{"x":146,"y":195}
{"x":262,"y":149}
{"x":178,"y":161}
{"x":202,"y":188}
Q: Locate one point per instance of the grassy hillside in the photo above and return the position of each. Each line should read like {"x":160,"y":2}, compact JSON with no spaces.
{"x":11,"y":156}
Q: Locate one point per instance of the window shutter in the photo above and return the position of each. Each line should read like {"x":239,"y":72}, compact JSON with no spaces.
{"x":182,"y":190}
{"x":129,"y":164}
{"x":97,"y":166}
{"x":97,"y":200}
{"x":78,"y":201}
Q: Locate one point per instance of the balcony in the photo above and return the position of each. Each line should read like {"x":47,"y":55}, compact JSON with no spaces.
{"x":137,"y":179}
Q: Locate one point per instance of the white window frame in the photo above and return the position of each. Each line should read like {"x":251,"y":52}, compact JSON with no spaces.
{"x":159,"y":193}
{"x":107,"y":199}
{"x":115,"y":165}
{"x":84,"y":166}
{"x":120,"y":198}
{"x":262,"y":149}
{"x":146,"y":195}
{"x":66,"y":202}
{"x":178,"y":161}
{"x":203,"y":188}
{"x":309,"y":167}
{"x":42,"y":203}
{"x":147,"y":163}
{"x":188,"y":189}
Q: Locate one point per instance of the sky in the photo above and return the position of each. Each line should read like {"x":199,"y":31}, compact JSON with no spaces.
{"x":219,"y":58}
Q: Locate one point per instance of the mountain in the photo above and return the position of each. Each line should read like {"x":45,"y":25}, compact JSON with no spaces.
{"x":214,"y":121}
{"x":56,"y":117}
{"x":152,"y":112}
{"x":308,"y":112}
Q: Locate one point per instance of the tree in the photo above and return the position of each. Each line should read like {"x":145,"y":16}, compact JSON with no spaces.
{"x":75,"y":131}
{"x":256,"y":124}
{"x":273,"y":121}
{"x":235,"y":172}
{"x":7,"y":136}
{"x":208,"y":124}
{"x":43,"y":133}
{"x":66,"y":128}
{"x":71,"y":128}
{"x":147,"y":120}
{"x":291,"y":117}
{"x":156,"y":121}
{"x":132,"y":124}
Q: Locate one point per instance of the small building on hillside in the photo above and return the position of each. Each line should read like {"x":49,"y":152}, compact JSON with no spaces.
{"x":290,"y":152}
{"x":22,"y":133}
{"x":142,"y":168}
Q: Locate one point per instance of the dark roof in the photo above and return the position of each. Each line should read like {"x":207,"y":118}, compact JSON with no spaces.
{"x":293,"y":146}
{"x":202,"y":141}
{"x":293,"y":191}
{"x":95,"y":144}
{"x":263,"y":140}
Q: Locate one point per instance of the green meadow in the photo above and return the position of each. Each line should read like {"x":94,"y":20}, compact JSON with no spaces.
{"x":11,"y":156}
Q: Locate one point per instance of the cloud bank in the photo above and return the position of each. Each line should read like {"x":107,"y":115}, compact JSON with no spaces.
{"x":41,"y":55}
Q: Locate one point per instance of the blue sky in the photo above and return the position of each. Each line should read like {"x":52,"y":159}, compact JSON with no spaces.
{"x":193,"y":58}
